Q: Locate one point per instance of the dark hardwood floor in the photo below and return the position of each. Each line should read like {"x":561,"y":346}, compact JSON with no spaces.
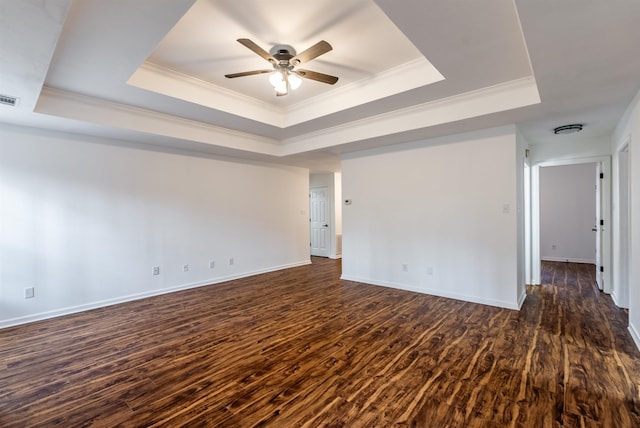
{"x":302,"y":348}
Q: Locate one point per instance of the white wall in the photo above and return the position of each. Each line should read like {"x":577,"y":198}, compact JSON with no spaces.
{"x":446,"y":208}
{"x":567,"y":150}
{"x":337,"y":180}
{"x":628,"y":130}
{"x":333,"y":181}
{"x":567,"y":213}
{"x":84,"y":223}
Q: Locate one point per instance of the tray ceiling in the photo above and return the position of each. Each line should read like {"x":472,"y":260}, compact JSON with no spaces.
{"x":152,"y":70}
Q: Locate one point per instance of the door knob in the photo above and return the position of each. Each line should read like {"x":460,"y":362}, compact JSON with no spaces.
{"x":326,"y":225}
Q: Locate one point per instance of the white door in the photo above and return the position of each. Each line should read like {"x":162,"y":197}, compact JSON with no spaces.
{"x":319,"y":220}
{"x":599,"y":226}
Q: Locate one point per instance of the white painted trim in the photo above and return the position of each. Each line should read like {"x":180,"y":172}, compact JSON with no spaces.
{"x":527,"y":221}
{"x":568,"y":260}
{"x":404,"y":77}
{"x":434,"y":292}
{"x":622,"y":300}
{"x":523,"y":38}
{"x":109,"y":302}
{"x":162,"y":80}
{"x":501,"y":97}
{"x":616,"y":299}
{"x":522,"y":298}
{"x":606,"y":214}
{"x":492,"y":99}
{"x":95,"y":110}
{"x":634,"y":335}
{"x":335,"y":256}
{"x":574,"y":161}
{"x":536,"y":266}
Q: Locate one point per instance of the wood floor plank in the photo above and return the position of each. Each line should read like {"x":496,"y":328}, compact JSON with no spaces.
{"x":302,"y":348}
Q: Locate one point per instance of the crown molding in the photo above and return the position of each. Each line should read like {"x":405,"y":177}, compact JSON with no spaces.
{"x":404,"y":77}
{"x":506,"y":96}
{"x":501,"y":97}
{"x":165,"y":81}
{"x":76,"y":106}
{"x":411,"y":75}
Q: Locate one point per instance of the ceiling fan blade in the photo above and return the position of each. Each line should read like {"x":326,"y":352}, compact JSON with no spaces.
{"x":314,"y":51}
{"x":247,"y":73}
{"x":320,"y":77}
{"x":257,"y":49}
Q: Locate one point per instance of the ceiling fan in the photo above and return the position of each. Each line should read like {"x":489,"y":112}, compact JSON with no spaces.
{"x":283,"y":58}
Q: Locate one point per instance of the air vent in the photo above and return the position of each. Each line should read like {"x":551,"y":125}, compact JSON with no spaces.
{"x":9,"y":101}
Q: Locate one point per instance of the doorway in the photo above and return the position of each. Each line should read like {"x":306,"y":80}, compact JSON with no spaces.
{"x":325,"y":214}
{"x":597,"y":227}
{"x":568,"y":207}
{"x":319,"y":220}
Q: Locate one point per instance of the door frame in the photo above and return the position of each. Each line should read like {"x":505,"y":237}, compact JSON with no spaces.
{"x":535,"y":261}
{"x":622,"y":228}
{"x":597,"y":226}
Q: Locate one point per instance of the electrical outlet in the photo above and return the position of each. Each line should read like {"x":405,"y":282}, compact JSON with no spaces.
{"x":405,"y":267}
{"x":155,"y":270}
{"x":554,"y":247}
{"x":185,"y":268}
{"x":230,"y":261}
{"x":429,"y":270}
{"x":29,"y":293}
{"x":212,"y":264}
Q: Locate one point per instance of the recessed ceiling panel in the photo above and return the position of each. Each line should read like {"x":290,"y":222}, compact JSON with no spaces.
{"x":367,"y":50}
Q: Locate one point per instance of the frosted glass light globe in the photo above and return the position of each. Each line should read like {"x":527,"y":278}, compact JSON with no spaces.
{"x":275,"y":78}
{"x":294,"y":81}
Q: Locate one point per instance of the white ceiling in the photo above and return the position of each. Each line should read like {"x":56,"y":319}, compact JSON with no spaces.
{"x":152,"y":71}
{"x":202,"y":46}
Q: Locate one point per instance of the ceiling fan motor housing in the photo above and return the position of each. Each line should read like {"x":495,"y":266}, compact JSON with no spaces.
{"x":283,"y":54}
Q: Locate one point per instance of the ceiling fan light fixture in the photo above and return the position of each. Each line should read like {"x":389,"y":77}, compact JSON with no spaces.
{"x":568,"y":129}
{"x":275,"y":78}
{"x":294,"y":82}
{"x":283,"y":59}
{"x":281,"y":87}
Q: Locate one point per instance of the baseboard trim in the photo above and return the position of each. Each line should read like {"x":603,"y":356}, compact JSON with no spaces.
{"x":123,"y":299}
{"x":616,"y":299}
{"x":634,"y":335}
{"x":567,"y":260}
{"x":522,"y":298}
{"x":435,"y":292}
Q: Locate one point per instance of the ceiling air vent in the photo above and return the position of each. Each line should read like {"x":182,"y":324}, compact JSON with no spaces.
{"x":9,"y":101}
